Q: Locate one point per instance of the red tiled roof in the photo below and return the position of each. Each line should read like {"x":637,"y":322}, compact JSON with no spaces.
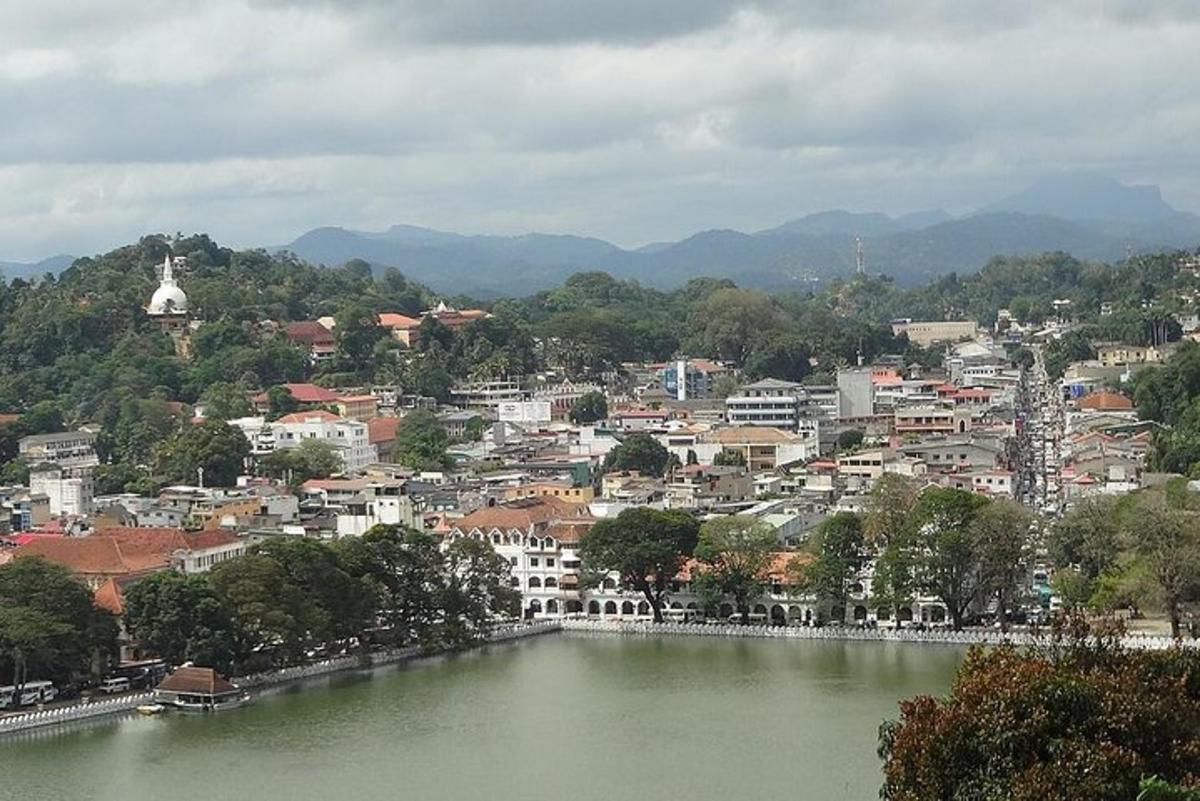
{"x":311,"y":393}
{"x":122,"y":550}
{"x":382,"y":429}
{"x":1105,"y":401}
{"x":522,"y":514}
{"x":304,"y":417}
{"x":394,"y":320}
{"x":309,"y":332}
{"x":197,"y":680}
{"x":110,"y":596}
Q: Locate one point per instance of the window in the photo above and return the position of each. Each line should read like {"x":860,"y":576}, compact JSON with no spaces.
{"x":512,"y":560}
{"x":533,"y":561}
{"x":549,"y":563}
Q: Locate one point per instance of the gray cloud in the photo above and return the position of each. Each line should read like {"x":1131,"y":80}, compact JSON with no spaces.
{"x":255,"y":120}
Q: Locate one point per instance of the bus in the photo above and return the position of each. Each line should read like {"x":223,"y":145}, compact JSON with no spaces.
{"x":34,"y":692}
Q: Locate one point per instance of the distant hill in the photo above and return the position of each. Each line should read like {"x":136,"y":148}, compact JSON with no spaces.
{"x":912,"y":249}
{"x":1089,"y":216}
{"x":53,"y":265}
{"x":1085,"y":197}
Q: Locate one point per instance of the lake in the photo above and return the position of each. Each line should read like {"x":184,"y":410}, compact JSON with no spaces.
{"x":569,"y":716}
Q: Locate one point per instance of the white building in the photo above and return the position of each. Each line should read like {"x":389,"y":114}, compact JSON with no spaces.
{"x":69,"y":492}
{"x":351,"y":438}
{"x":362,"y":503}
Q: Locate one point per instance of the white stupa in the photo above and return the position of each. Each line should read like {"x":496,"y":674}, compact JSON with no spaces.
{"x":168,"y":299}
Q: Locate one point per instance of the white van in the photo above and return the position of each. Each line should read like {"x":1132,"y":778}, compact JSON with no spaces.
{"x":114,"y":686}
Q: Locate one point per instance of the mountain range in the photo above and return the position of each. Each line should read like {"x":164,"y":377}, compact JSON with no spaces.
{"x":1089,"y":216}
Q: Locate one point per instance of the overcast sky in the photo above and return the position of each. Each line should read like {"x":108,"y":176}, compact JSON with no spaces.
{"x":633,"y":120}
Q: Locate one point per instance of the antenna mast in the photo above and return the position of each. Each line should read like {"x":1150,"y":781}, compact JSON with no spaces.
{"x":860,"y":258}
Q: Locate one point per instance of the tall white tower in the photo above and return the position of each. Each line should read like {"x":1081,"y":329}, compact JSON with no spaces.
{"x":860,"y":257}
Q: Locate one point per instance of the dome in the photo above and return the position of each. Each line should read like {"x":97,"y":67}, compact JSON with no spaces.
{"x":168,"y":298}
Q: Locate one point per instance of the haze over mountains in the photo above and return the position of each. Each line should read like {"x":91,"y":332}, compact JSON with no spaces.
{"x":1090,"y":216}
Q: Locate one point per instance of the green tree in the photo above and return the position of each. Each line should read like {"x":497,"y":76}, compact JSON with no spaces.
{"x":215,"y":447}
{"x":646,"y":547}
{"x":588,"y":408}
{"x":942,"y":524}
{"x":50,"y":628}
{"x":1084,"y":545}
{"x":358,"y":330}
{"x":887,"y":532}
{"x":312,"y":458}
{"x":421,"y":442}
{"x":280,"y":401}
{"x":476,"y":592}
{"x":1071,"y":721}
{"x":782,"y":356}
{"x":1001,"y":534}
{"x":225,"y":401}
{"x":404,"y":568}
{"x":640,"y":452}
{"x":1167,"y":542}
{"x":342,"y":605}
{"x":736,"y":553}
{"x":273,"y":619}
{"x":180,"y":619}
{"x":849,"y":439}
{"x":840,"y":556}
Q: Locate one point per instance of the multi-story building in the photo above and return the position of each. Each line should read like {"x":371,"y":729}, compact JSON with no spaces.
{"x":480,"y":395}
{"x":540,"y":538}
{"x":923,"y":420}
{"x":761,"y":448}
{"x":768,"y":402}
{"x":351,"y":438}
{"x":699,"y":377}
{"x":69,"y":449}
{"x":926,"y":333}
{"x":361,"y":503}
{"x":856,"y":393}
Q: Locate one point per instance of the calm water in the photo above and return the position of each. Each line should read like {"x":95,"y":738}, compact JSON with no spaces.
{"x":557,"y":717}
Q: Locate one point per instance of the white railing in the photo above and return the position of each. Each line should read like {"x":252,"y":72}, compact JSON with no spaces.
{"x":937,"y":636}
{"x":64,"y":714}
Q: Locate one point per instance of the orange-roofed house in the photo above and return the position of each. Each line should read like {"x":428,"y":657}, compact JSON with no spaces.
{"x":1105,"y":401}
{"x":128,"y":553}
{"x":304,"y":394}
{"x":402,"y":327}
{"x":539,"y":537}
{"x":318,"y":340}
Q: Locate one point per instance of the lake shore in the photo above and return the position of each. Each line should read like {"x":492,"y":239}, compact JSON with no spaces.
{"x":88,"y":709}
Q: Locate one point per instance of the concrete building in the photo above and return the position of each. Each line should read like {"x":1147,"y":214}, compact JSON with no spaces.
{"x":924,"y":420}
{"x":486,"y":395}
{"x":69,"y":492}
{"x":768,"y":402}
{"x":700,"y":377}
{"x":350,"y":438}
{"x":926,"y":333}
{"x":856,"y":393}
{"x":762,"y":448}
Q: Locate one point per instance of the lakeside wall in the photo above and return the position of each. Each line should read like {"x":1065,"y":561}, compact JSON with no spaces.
{"x":936,"y":636}
{"x":87,"y":709}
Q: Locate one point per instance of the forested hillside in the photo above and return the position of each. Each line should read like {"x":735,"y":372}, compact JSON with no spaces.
{"x":80,"y":349}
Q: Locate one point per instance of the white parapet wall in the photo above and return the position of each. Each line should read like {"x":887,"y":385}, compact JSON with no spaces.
{"x":845,"y":633}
